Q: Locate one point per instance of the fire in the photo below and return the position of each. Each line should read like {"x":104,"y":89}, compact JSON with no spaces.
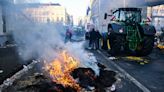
{"x":60,"y":68}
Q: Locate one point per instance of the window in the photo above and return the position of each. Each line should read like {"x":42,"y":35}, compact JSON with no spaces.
{"x":133,"y":16}
{"x":116,"y":14}
{"x":122,"y":16}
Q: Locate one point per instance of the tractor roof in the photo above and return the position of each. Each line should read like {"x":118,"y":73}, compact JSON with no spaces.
{"x":130,"y":9}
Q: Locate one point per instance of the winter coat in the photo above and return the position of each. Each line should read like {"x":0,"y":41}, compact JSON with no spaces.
{"x":93,"y":35}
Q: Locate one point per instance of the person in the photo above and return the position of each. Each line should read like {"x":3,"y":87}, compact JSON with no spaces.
{"x":87,"y":39}
{"x":68,"y":36}
{"x":87,"y":36}
{"x":98,"y":36}
{"x":93,"y":38}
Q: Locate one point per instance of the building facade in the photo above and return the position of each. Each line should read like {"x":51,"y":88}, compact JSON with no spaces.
{"x":157,"y":15}
{"x":43,"y":13}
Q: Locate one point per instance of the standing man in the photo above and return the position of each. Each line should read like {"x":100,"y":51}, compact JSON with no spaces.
{"x":98,"y":36}
{"x":68,"y":36}
{"x":93,"y":38}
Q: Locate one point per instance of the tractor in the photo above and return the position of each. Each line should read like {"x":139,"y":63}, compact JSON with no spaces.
{"x":128,"y":33}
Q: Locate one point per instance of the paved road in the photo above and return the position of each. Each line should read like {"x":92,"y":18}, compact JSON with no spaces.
{"x":126,"y":85}
{"x":150,"y":76}
{"x":10,"y":63}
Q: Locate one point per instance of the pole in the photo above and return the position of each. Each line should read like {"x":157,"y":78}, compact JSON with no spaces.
{"x":4,"y":18}
{"x":124,"y":3}
{"x":99,"y":25}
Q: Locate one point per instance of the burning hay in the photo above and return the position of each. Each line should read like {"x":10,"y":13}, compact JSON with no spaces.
{"x":64,"y":74}
{"x":88,"y":80}
{"x":60,"y":69}
{"x":85,"y":78}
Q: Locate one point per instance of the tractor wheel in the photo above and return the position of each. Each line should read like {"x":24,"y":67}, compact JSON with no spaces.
{"x":146,"y":46}
{"x":115,"y":44}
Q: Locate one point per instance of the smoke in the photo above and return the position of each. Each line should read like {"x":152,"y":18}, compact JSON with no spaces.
{"x":38,"y":41}
{"x":43,"y":40}
{"x":86,"y":59}
{"x":34,"y":40}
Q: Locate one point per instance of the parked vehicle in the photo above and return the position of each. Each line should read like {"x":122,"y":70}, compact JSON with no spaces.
{"x":127,"y":32}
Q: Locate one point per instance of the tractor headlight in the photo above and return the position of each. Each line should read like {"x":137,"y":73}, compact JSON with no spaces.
{"x":121,"y":30}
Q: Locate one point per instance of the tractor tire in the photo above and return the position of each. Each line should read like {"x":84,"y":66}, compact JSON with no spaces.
{"x":115,"y":44}
{"x":146,"y":46}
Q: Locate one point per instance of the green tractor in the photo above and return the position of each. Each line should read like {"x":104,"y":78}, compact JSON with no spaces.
{"x":128,"y":33}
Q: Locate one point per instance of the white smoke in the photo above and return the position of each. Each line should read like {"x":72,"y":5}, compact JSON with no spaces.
{"x":43,"y":40}
{"x":86,"y":59}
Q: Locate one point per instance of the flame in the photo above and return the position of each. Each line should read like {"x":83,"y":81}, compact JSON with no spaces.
{"x":60,"y":68}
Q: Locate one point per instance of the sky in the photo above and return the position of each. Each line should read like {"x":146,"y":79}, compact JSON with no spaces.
{"x":74,"y":7}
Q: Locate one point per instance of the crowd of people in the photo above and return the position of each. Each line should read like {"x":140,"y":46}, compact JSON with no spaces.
{"x":93,"y":36}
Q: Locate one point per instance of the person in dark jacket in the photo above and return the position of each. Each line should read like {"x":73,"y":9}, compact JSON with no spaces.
{"x":93,"y":38}
{"x":87,"y":39}
{"x":68,"y":35}
{"x":98,"y":39}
